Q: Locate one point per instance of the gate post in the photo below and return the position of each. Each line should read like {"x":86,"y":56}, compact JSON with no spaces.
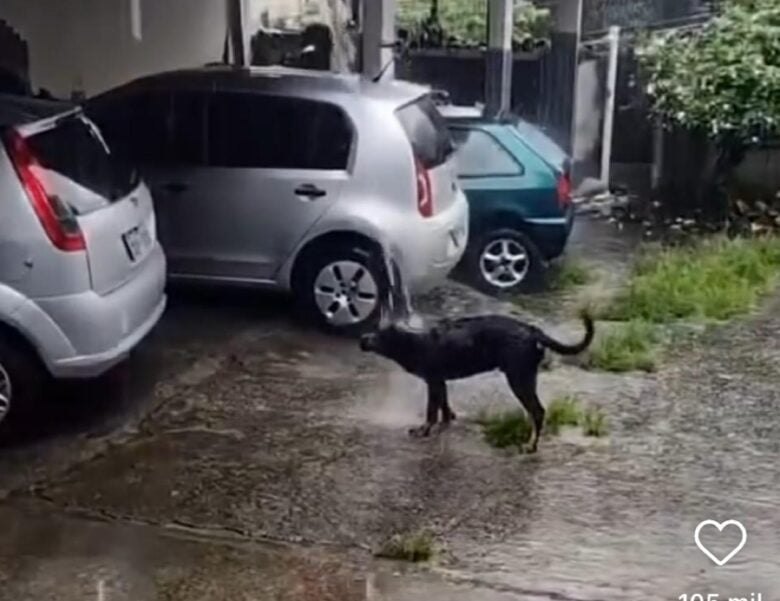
{"x":378,"y":27}
{"x":498,"y":59}
{"x":609,"y":103}
{"x":235,"y":20}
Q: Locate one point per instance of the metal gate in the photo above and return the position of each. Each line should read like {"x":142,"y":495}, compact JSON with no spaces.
{"x":627,"y":160}
{"x":450,"y":55}
{"x":630,"y":152}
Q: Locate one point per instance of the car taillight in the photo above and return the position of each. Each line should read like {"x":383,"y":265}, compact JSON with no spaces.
{"x":55,"y":216}
{"x":424,"y":192}
{"x":564,"y":190}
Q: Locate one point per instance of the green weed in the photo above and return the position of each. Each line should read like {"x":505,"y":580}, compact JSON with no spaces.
{"x":594,"y":423}
{"x":570,"y":273}
{"x":562,"y":412}
{"x":410,"y":546}
{"x":714,"y":279}
{"x":632,"y":346}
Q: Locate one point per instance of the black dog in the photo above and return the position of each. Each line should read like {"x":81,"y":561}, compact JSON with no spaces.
{"x":453,"y":349}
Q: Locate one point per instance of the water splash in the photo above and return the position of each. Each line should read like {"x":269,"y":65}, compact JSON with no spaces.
{"x":399,"y":299}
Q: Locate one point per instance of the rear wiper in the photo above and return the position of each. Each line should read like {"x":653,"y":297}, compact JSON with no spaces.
{"x":70,"y":116}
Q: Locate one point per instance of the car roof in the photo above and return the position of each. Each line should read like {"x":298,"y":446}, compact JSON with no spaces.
{"x":20,"y":110}
{"x":282,"y":80}
{"x":475,"y":116}
{"x":453,"y":112}
{"x":534,"y":137}
{"x":230,"y":75}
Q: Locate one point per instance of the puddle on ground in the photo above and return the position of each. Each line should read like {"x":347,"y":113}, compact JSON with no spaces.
{"x":290,"y":437}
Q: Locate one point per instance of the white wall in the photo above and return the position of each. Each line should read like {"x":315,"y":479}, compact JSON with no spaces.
{"x":296,"y":14}
{"x":88,"y":44}
{"x":287,"y":12}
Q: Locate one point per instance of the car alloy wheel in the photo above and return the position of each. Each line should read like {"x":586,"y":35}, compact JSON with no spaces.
{"x":346,"y":293}
{"x":5,"y":393}
{"x":504,"y":263}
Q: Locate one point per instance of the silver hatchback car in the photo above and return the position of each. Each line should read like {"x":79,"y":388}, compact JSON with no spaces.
{"x":294,"y":180}
{"x":82,"y":276}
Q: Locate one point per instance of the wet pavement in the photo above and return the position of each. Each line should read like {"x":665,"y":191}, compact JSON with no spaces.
{"x":240,"y":456}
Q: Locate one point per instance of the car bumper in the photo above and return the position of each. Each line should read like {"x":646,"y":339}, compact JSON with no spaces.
{"x":552,"y":234}
{"x":436,"y":247}
{"x":84,"y":335}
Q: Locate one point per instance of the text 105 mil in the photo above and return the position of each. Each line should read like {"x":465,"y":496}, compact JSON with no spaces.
{"x":717,"y":597}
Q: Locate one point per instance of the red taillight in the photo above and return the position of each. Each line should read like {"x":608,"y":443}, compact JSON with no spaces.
{"x":56,"y":218}
{"x":564,"y":190}
{"x":424,"y":192}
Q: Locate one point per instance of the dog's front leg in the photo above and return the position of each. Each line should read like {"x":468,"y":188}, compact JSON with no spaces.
{"x":437,"y":392}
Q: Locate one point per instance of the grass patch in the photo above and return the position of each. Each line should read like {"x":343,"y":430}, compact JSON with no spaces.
{"x":505,"y":429}
{"x":594,"y":423}
{"x":632,"y":346}
{"x":513,"y":428}
{"x":570,"y":273}
{"x":714,"y":279}
{"x":411,"y":546}
{"x":562,"y":412}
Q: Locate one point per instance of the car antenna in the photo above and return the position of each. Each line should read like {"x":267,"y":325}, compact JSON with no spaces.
{"x":378,"y":77}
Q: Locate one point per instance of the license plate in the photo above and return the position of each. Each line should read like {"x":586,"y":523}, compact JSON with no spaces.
{"x":137,"y":242}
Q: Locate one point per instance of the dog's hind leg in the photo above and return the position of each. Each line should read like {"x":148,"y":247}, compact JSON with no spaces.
{"x":447,"y":414}
{"x":524,"y":387}
{"x":437,"y":397}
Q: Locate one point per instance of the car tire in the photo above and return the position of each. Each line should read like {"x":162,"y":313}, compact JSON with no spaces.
{"x":517,"y":266}
{"x":22,"y":381}
{"x":340,"y":288}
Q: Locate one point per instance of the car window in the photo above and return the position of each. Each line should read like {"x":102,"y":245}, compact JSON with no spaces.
{"x":188,"y":128}
{"x":332,"y":138}
{"x":74,"y":150}
{"x":136,"y":126}
{"x":478,"y":154}
{"x":548,"y":149}
{"x":275,"y":132}
{"x":427,"y":131}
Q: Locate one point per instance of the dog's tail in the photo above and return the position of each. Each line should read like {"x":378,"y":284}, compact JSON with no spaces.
{"x":574,"y":349}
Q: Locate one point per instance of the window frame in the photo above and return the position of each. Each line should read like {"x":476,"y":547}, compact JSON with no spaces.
{"x":426,"y":105}
{"x":471,"y":129}
{"x":352,"y":129}
{"x":205,"y":93}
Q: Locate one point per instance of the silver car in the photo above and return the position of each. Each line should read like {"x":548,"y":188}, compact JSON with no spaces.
{"x":82,"y":276}
{"x":294,"y":180}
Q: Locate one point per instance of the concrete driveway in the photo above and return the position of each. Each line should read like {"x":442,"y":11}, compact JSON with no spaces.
{"x":238,"y":456}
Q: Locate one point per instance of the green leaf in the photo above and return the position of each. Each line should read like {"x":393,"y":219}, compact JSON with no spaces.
{"x":723,"y":78}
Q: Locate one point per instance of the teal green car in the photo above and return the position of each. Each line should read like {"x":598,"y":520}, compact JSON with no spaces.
{"x":518,"y":186}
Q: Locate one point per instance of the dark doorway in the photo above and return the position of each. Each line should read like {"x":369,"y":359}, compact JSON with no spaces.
{"x":14,"y":62}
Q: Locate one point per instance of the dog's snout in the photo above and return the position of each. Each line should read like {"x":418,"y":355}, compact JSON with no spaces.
{"x":367,"y":342}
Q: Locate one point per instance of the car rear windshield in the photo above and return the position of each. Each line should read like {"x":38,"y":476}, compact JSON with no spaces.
{"x":74,"y":149}
{"x":539,"y":141}
{"x":427,"y":131}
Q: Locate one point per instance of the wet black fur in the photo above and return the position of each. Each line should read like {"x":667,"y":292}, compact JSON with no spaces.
{"x":453,"y":349}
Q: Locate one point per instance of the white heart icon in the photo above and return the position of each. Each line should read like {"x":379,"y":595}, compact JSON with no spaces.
{"x":720,"y":527}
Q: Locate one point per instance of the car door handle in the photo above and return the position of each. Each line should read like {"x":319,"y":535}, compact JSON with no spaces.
{"x":310,"y":191}
{"x":175,"y":187}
